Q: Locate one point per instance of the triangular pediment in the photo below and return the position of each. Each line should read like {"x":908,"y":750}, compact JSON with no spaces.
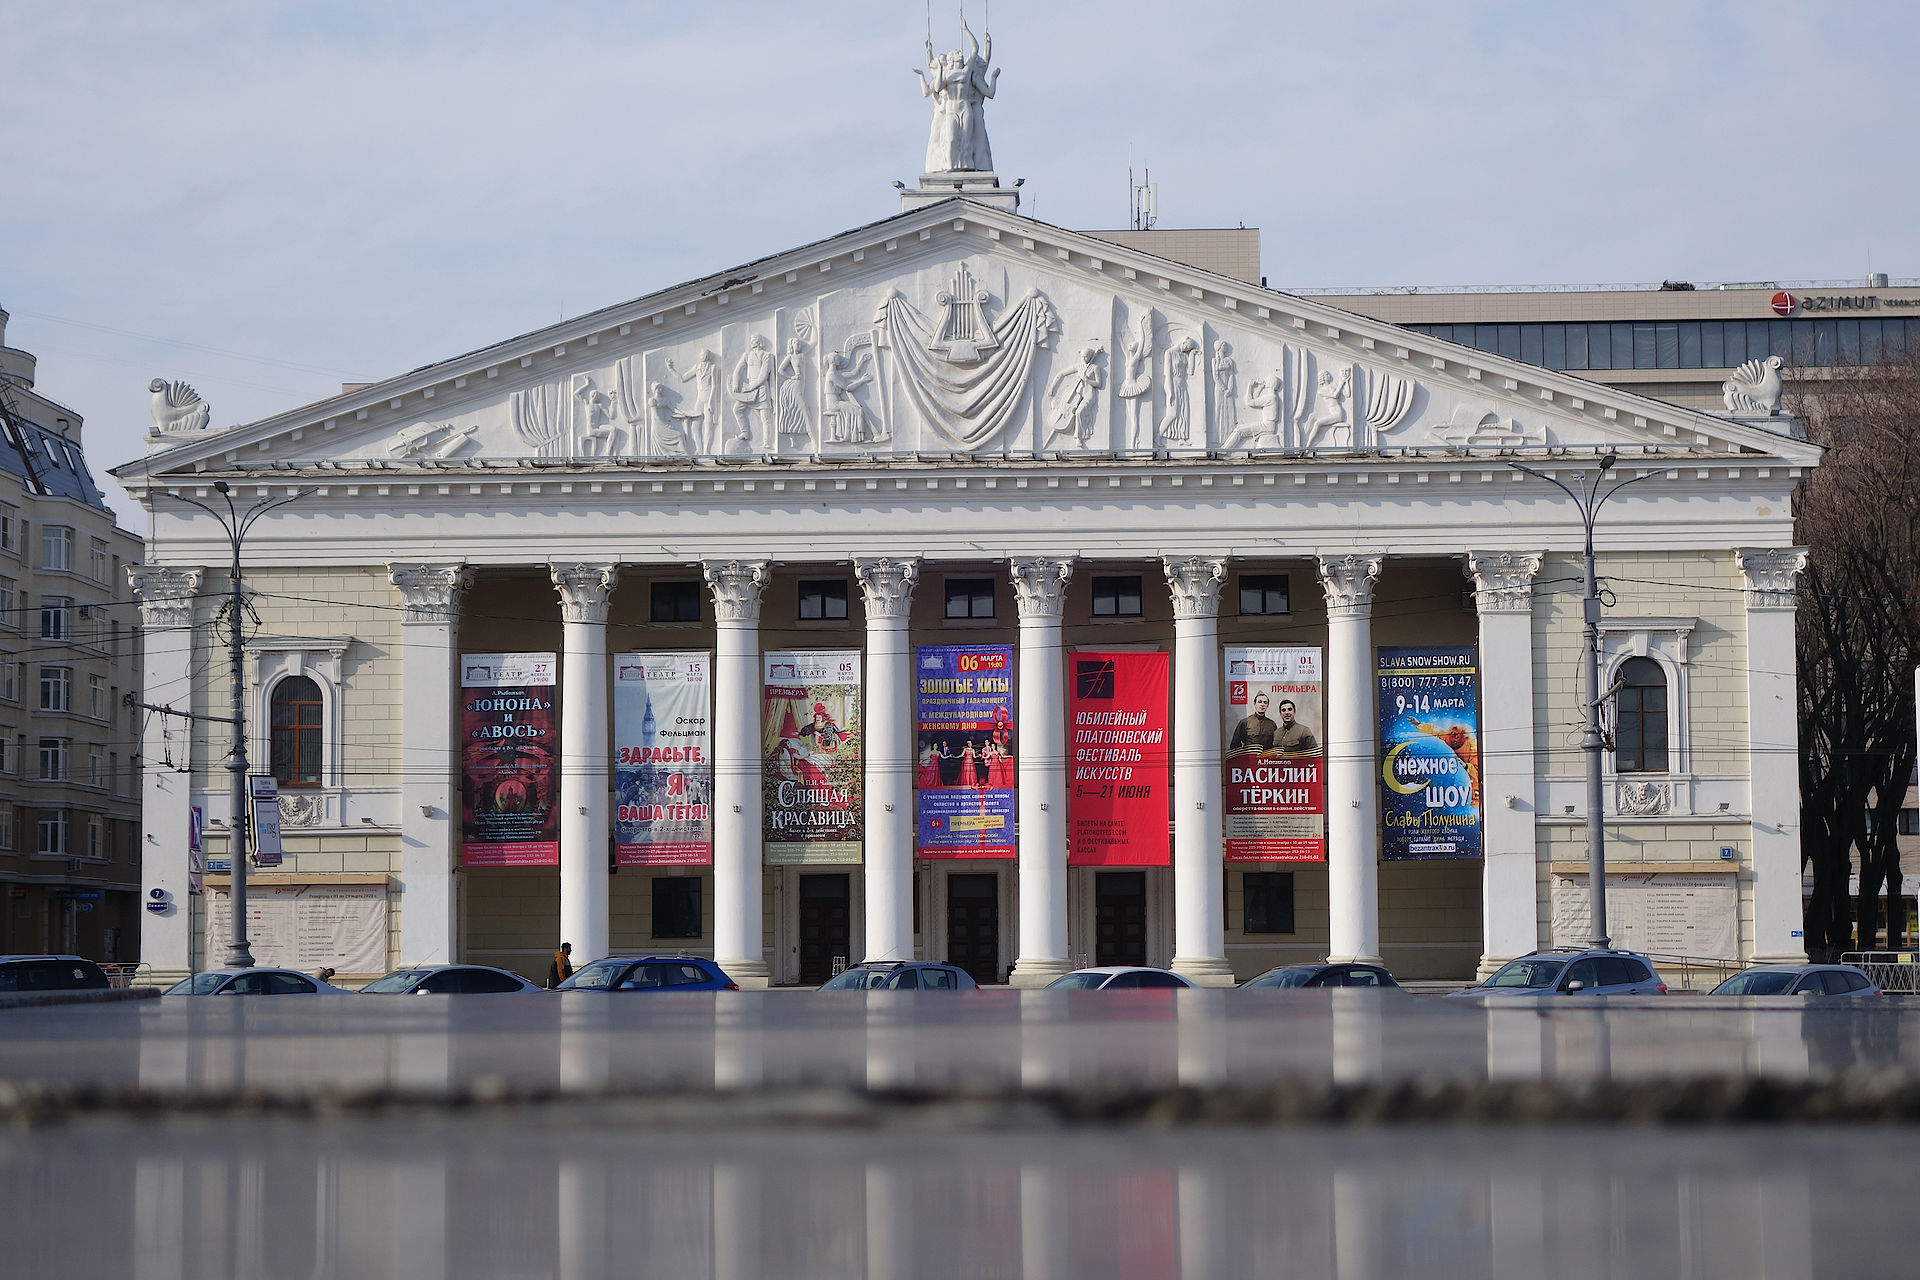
{"x":967,"y":332}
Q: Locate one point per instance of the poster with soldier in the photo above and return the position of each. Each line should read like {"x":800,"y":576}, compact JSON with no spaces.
{"x":1274,"y":764}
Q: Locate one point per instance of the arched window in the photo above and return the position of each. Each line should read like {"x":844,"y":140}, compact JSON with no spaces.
{"x":1640,"y":732}
{"x":296,"y":718}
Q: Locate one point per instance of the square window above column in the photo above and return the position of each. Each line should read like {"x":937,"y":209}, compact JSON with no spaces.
{"x":823,"y":599}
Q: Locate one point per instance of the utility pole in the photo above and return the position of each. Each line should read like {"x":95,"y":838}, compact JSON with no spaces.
{"x":1592,"y":740}
{"x":235,"y":524}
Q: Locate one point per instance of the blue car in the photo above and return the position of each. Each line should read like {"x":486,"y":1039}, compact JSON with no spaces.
{"x":650,"y":973}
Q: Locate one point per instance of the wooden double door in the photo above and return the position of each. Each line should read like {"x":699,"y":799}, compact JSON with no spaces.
{"x":973,"y":925}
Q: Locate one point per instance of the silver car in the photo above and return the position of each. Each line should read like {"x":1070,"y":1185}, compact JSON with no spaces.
{"x":1571,"y":971}
{"x":1118,"y":977}
{"x":253,"y":982}
{"x":1841,"y":980}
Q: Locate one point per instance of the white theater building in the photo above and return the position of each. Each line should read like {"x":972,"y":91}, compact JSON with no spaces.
{"x":960,"y":425}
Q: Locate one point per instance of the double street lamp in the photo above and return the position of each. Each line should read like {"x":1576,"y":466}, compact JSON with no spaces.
{"x":1592,"y":741}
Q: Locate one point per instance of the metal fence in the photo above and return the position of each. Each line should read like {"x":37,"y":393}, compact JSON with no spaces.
{"x":1895,"y":972}
{"x":125,"y":973}
{"x":1693,"y":973}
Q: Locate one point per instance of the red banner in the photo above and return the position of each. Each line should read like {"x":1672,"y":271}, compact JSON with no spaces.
{"x":1117,"y":746}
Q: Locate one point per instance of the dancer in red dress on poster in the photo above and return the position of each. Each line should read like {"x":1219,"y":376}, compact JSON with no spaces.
{"x":929,"y":768}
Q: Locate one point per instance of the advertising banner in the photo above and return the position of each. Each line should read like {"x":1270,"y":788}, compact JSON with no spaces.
{"x":263,"y":809}
{"x":509,"y":773}
{"x":663,"y":759}
{"x":1118,"y":802}
{"x":814,"y":750}
{"x":306,"y":926}
{"x":1274,"y":765}
{"x":963,"y":717}
{"x":1429,"y":753}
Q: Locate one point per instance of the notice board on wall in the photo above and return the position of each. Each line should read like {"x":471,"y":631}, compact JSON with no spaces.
{"x":305,"y":926}
{"x":1676,"y":913}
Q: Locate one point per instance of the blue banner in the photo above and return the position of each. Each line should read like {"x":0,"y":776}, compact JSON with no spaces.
{"x":963,"y":720}
{"x":1429,"y":753}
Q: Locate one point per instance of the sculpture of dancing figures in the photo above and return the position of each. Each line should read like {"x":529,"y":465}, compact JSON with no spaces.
{"x":846,"y":419}
{"x":705,"y":377}
{"x":1330,"y":410}
{"x":599,"y":438}
{"x":1074,"y":396}
{"x":1262,"y":431}
{"x":793,"y":393}
{"x":1183,"y":362}
{"x":1225,"y":387}
{"x":752,"y":390}
{"x":959,"y":85}
{"x":1138,"y":347}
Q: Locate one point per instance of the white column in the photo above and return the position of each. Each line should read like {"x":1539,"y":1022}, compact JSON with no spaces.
{"x":585,"y":777}
{"x":737,"y":934}
{"x":887,"y":585}
{"x":1503,"y":595}
{"x":1353,"y":808}
{"x":1199,"y":929}
{"x":1040,"y":586}
{"x":1773,"y":752}
{"x":429,"y":756}
{"x":166,"y":794}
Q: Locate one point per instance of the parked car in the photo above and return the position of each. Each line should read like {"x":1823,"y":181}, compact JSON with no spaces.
{"x":253,"y":982}
{"x":1117,"y":977}
{"x":448,"y":980}
{"x":1570,"y":971}
{"x":50,"y":973}
{"x":901,"y":975}
{"x":650,"y":973}
{"x":1842,"y":980}
{"x":1323,"y":975}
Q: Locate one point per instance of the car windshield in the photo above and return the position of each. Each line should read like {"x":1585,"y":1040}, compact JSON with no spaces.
{"x":597,"y":976}
{"x":200,"y":984}
{"x":394,"y":982}
{"x":1078,"y":981}
{"x":1527,"y":973}
{"x":1297,"y":976}
{"x":1758,"y":982}
{"x":857,"y":979}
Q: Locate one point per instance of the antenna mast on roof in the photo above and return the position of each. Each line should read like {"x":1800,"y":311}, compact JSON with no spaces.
{"x":1145,"y":198}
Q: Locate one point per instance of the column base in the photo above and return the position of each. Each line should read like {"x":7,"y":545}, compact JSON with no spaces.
{"x":1779,"y":957}
{"x":1037,"y":971}
{"x":1205,"y":971}
{"x":748,"y":975}
{"x":1489,"y":965}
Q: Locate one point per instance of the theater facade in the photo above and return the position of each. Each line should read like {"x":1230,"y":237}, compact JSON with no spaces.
{"x":967,"y":588}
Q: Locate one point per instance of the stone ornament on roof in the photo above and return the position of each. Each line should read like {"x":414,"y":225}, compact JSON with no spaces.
{"x":1755,"y":388}
{"x":177,"y":408}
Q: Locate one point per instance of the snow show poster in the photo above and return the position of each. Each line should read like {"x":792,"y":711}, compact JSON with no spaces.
{"x":963,"y":743}
{"x":663,"y":760}
{"x":1429,"y":753}
{"x":813,"y":749}
{"x":1274,"y":765}
{"x":509,"y":761}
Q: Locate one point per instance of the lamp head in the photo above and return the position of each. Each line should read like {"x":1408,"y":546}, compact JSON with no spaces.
{"x":1606,"y":463}
{"x":220,"y":486}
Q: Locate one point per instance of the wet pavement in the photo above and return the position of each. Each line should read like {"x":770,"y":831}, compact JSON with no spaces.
{"x":1327,"y":1133}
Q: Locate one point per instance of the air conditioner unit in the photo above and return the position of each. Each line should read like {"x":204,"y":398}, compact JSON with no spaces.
{"x":73,"y":864}
{"x":86,"y":611}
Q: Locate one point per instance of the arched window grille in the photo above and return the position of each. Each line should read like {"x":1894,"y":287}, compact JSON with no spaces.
{"x":1640,"y":731}
{"x":296,"y":717}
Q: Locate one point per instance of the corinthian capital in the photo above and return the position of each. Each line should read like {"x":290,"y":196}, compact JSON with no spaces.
{"x":1503,"y":580}
{"x":585,"y":590}
{"x":1195,"y":584}
{"x":1040,"y":585}
{"x":165,"y":595}
{"x":736,"y":587}
{"x":1771,"y":574}
{"x":427,"y":591}
{"x":1348,"y":583}
{"x":887,"y":584}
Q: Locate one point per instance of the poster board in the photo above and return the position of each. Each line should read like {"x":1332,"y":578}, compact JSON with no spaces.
{"x":1118,"y":801}
{"x":1273,"y":766}
{"x":305,"y":926}
{"x":509,"y":761}
{"x":663,"y":759}
{"x":813,"y":751}
{"x":1676,"y":913}
{"x":1430,"y":794}
{"x":964,"y":800}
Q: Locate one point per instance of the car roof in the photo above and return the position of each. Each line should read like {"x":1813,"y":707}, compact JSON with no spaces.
{"x":258,"y":968}
{"x":6,"y":959}
{"x":625,"y":956}
{"x":1123,"y":968}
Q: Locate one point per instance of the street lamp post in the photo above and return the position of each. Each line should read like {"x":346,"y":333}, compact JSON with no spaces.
{"x":1592,"y":740}
{"x":235,"y":524}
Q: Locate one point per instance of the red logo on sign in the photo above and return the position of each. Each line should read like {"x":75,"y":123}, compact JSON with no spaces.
{"x":1783,"y":303}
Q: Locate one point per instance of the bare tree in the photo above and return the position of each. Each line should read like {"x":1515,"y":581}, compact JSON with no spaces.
{"x":1858,"y":635}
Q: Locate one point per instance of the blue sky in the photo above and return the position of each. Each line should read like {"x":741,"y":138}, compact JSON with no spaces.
{"x":270,"y":199}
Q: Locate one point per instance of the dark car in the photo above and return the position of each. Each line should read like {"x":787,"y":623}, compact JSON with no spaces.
{"x":1323,"y":975}
{"x":901,"y":975}
{"x":1118,"y":977}
{"x":1571,"y":971}
{"x":448,"y":980}
{"x":650,"y":973}
{"x":50,"y":973}
{"x":256,"y":981}
{"x":1841,"y":980}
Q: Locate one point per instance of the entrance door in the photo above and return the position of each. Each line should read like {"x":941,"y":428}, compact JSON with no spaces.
{"x":973,"y":925}
{"x":826,"y":923}
{"x":1120,"y":917}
